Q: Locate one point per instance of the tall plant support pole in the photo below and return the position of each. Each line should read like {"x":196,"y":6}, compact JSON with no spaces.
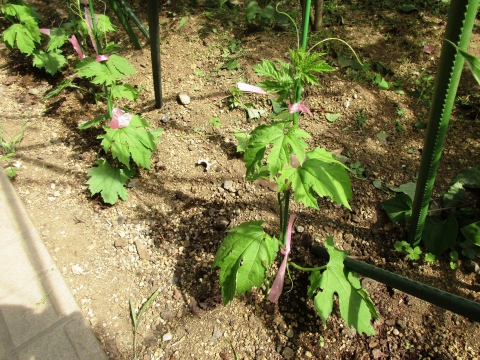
{"x":459,"y":28}
{"x":154,"y":30}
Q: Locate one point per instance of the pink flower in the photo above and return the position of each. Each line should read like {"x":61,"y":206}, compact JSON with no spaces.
{"x":88,"y":20}
{"x":77,"y":47}
{"x":45,"y":31}
{"x":277,"y":287}
{"x":120,"y":119}
{"x":101,"y":58}
{"x":250,"y":88}
{"x":298,"y":107}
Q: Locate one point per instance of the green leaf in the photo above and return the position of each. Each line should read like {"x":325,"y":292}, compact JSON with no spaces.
{"x":355,"y":310}
{"x":454,"y":196}
{"x":230,"y":65}
{"x":125,"y":91}
{"x":58,"y":37}
{"x":109,"y":181}
{"x":106,"y":72}
{"x":52,"y":61}
{"x":64,"y":84}
{"x":402,"y":246}
{"x":377,"y":184}
{"x":470,"y":177}
{"x":408,"y":8}
{"x":97,"y":120}
{"x":438,"y":235}
{"x":21,"y":35}
{"x":242,"y":139}
{"x":472,"y":232}
{"x":131,"y":140}
{"x":382,"y":137}
{"x":244,"y":258}
{"x":320,"y":175}
{"x":254,"y":113}
{"x":285,"y":141}
{"x":415,"y":253}
{"x":398,"y":208}
{"x":103,"y":24}
{"x":182,"y":23}
{"x":430,"y":258}
{"x":408,"y":188}
{"x":472,"y":62}
{"x":333,"y":117}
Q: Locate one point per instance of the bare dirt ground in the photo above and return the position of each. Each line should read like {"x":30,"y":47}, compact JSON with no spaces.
{"x":167,"y":233}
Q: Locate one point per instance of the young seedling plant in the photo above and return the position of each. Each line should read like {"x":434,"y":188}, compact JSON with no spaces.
{"x":277,"y":154}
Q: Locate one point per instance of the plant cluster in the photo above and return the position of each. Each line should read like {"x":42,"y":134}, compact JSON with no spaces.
{"x":129,"y":138}
{"x":277,"y":155}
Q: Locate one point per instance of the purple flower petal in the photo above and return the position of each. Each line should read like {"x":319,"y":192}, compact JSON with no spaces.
{"x":45,"y":31}
{"x":299,"y":107}
{"x":120,"y":119}
{"x":277,"y":287}
{"x":77,"y":47}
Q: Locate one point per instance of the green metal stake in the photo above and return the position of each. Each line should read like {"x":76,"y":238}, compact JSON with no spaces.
{"x":154,"y":29}
{"x":130,"y":15}
{"x":119,"y":11}
{"x":445,"y":300}
{"x":459,"y":28}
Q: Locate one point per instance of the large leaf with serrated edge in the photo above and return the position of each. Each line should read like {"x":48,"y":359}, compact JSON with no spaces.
{"x":356,"y":307}
{"x":109,"y":181}
{"x":398,"y":208}
{"x":320,"y":175}
{"x":132,"y":141}
{"x":244,"y":258}
{"x":284,"y":141}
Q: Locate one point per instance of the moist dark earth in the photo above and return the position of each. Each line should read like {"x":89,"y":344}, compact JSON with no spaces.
{"x":167,"y":233}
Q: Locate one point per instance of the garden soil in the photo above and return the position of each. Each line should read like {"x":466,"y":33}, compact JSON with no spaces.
{"x":166,"y":234}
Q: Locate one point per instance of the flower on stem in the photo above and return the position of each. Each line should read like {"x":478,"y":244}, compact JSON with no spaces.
{"x":120,"y":119}
{"x":298,"y":107}
{"x":88,"y":21}
{"x":253,"y":89}
{"x":277,"y":287}
{"x":45,"y":31}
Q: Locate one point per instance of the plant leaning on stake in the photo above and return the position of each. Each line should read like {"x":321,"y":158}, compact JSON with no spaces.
{"x":277,"y":154}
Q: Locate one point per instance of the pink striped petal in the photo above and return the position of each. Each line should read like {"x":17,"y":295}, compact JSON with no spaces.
{"x":101,"y":58}
{"x":77,"y":47}
{"x":250,"y":88}
{"x":45,"y":31}
{"x":299,"y":107}
{"x":277,"y":286}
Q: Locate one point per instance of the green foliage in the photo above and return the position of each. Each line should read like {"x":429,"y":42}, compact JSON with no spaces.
{"x":356,"y":307}
{"x":132,"y":140}
{"x":24,"y":32}
{"x":10,"y":170}
{"x":284,"y":139}
{"x":442,"y":227}
{"x":413,"y":253}
{"x":244,"y":258}
{"x":320,"y":174}
{"x":288,"y":76}
{"x":109,"y":181}
{"x":106,"y":72}
{"x":51,"y":61}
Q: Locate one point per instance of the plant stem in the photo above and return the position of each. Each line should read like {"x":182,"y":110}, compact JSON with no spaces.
{"x":286,"y":199}
{"x":301,"y":268}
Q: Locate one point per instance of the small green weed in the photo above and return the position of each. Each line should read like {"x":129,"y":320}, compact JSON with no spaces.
{"x":357,"y":168}
{"x":137,"y":319}
{"x":403,"y":246}
{"x":215,"y":122}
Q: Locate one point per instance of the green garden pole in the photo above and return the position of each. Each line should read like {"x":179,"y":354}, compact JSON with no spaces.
{"x":443,"y":299}
{"x":459,"y":29}
{"x":154,"y":30}
{"x":119,"y":11}
{"x":130,"y":15}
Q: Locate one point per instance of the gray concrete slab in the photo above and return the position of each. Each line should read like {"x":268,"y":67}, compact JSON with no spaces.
{"x":39,"y":317}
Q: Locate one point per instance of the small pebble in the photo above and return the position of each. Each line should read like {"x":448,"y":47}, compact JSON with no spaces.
{"x":227,"y":185}
{"x":300,"y":229}
{"x":290,"y":333}
{"x":183,"y":98}
{"x":288,"y":353}
{"x":167,"y":337}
